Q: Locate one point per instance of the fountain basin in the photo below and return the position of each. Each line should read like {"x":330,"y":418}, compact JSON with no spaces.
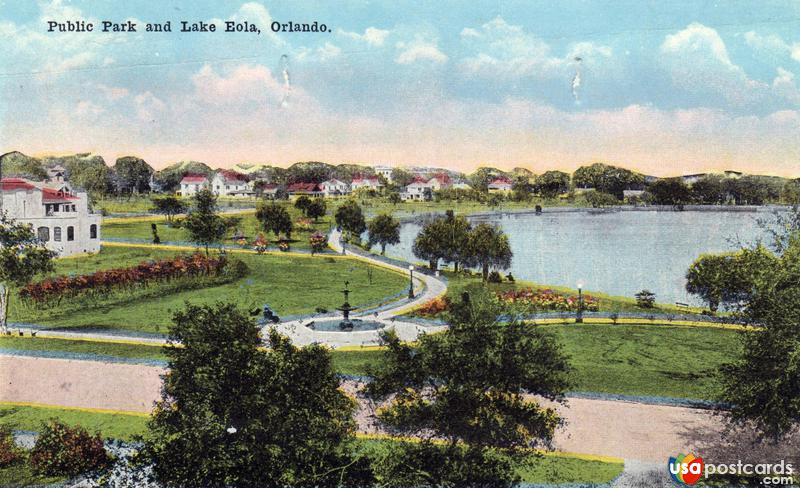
{"x":334,"y":325}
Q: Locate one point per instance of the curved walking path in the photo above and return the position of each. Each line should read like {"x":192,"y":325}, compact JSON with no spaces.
{"x":633,"y":431}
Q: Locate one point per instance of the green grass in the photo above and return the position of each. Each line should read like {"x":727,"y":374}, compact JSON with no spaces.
{"x":110,"y":425}
{"x":114,"y":349}
{"x":21,"y":475}
{"x":639,"y":360}
{"x":249,"y":226}
{"x":290,"y":284}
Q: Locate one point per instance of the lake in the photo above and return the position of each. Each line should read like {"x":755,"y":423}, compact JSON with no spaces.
{"x":619,"y":253}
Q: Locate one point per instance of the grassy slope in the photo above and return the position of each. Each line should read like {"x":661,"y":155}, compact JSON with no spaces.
{"x":551,"y":468}
{"x":290,"y":284}
{"x":669,"y":361}
{"x":20,"y":474}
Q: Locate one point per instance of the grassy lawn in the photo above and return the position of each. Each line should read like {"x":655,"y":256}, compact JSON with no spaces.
{"x":110,"y":425}
{"x":550,"y":468}
{"x":114,"y":349}
{"x":640,"y":360}
{"x":249,"y":226}
{"x":289,"y":284}
{"x":21,"y":475}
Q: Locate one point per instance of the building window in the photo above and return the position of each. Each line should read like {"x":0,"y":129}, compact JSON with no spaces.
{"x":43,"y":233}
{"x":57,"y":234}
{"x":73,"y":208}
{"x":93,"y":231}
{"x":70,"y":233}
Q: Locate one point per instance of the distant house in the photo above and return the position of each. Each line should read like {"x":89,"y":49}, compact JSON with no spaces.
{"x":230,"y":183}
{"x":440,"y":181}
{"x":693,"y":178}
{"x":267,"y":190}
{"x":632,"y":193}
{"x":308,"y":189}
{"x":191,"y":184}
{"x":369,"y":182}
{"x":418,"y":190}
{"x":334,"y":187}
{"x":460,"y":185}
{"x":61,"y":220}
{"x":385,"y":171}
{"x":56,"y":174}
{"x":733,"y":174}
{"x":500,"y":185}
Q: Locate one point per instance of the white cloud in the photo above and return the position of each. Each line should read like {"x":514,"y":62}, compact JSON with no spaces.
{"x":243,"y":84}
{"x":502,"y":49}
{"x":328,"y":51}
{"x":148,"y":106}
{"x":86,"y":108}
{"x":256,"y":13}
{"x":419,"y":50}
{"x":773,"y":45}
{"x":372,"y":35}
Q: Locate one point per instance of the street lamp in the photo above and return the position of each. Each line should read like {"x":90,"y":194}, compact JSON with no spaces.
{"x":579,"y":315}
{"x":410,"y":281}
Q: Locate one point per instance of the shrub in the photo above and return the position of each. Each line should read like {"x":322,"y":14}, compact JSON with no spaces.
{"x":9,"y":452}
{"x":318,"y":242}
{"x":435,"y":307}
{"x":235,"y":269}
{"x":494,"y":277}
{"x":527,"y":299}
{"x":61,"y":450}
{"x":645,"y":299}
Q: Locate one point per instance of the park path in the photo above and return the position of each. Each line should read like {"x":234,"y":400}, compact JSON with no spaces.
{"x":633,"y":431}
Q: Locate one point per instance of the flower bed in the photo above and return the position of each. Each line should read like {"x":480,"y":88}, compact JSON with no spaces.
{"x":530,"y":300}
{"x":53,"y":290}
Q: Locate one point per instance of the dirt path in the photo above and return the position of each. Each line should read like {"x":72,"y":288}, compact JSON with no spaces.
{"x":610,"y":428}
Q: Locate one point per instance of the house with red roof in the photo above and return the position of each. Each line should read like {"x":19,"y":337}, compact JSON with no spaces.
{"x":500,"y":185}
{"x":193,"y":183}
{"x":61,"y":219}
{"x":301,"y":188}
{"x":369,"y":182}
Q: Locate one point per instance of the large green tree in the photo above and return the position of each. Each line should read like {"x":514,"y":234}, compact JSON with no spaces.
{"x":488,"y":247}
{"x":607,"y":179}
{"x":670,"y":191}
{"x":131,"y":175}
{"x":383,"y":230}
{"x":168,"y":205}
{"x":552,"y":183}
{"x":302,"y":203}
{"x":316,"y":209}
{"x":351,"y":219}
{"x":471,"y":387}
{"x":204,"y":224}
{"x":274,"y":218}
{"x":235,"y":414}
{"x":22,"y":256}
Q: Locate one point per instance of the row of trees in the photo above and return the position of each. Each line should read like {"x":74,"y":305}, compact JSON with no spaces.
{"x":453,"y":239}
{"x":717,"y":190}
{"x":236,"y":414}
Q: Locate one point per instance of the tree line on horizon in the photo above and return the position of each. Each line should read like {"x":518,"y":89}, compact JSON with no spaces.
{"x":132,"y":175}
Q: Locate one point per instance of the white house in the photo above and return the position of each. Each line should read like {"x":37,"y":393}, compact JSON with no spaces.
{"x":385,"y":171}
{"x":419,"y":189}
{"x":500,"y":185}
{"x":191,"y":184}
{"x":230,"y":183}
{"x":460,"y":185}
{"x":334,"y":187}
{"x":370,"y":182}
{"x":61,"y":220}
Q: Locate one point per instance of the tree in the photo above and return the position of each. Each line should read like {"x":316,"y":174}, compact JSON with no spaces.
{"x":274,"y":218}
{"x":204,"y":224}
{"x":235,"y":414}
{"x":429,"y":243}
{"x":488,"y":247}
{"x":15,"y":163}
{"x":383,"y":230}
{"x":350,"y":218}
{"x":22,"y":256}
{"x":131,"y":175}
{"x":401,"y":177}
{"x":316,"y":209}
{"x":727,"y":279}
{"x":670,"y":191}
{"x":710,"y":190}
{"x":468,"y":387}
{"x":302,"y":204}
{"x":763,"y":385}
{"x":168,"y":205}
{"x":90,"y":174}
{"x":791,"y":192}
{"x":550,"y":184}
{"x":394,"y":198}
{"x":521,"y":190}
{"x":607,"y":179}
{"x":598,"y":199}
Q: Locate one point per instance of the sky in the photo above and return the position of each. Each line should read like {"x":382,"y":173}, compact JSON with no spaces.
{"x":665,"y":88}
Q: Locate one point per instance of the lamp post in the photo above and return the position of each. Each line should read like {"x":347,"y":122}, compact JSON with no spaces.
{"x":579,"y":315}
{"x":410,"y":281}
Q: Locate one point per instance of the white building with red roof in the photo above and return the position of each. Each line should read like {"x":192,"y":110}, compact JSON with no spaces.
{"x":61,"y":219}
{"x":369,"y":182}
{"x":191,"y":184}
{"x":500,"y":185}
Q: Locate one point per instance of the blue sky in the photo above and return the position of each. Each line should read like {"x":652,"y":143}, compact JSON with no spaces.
{"x":667,"y":87}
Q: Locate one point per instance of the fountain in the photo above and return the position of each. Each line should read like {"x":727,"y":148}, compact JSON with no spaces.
{"x":345,"y":308}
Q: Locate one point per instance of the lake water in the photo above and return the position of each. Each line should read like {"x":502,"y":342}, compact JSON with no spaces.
{"x":618,"y":253}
